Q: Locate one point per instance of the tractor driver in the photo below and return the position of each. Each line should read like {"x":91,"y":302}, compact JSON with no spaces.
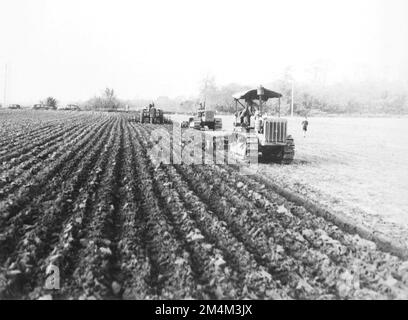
{"x":246,"y":114}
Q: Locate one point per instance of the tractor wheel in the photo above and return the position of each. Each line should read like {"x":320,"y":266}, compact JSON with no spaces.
{"x":288,"y":151}
{"x":218,"y":124}
{"x":251,"y":154}
{"x":270,"y":154}
{"x":242,"y":148}
{"x":197,"y":125}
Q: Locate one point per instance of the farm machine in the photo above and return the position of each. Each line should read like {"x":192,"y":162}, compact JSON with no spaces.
{"x":203,"y":120}
{"x":152,"y":115}
{"x":255,"y":134}
{"x":258,"y":131}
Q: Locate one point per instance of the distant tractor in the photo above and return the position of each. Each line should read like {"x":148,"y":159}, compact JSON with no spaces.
{"x":204,"y":119}
{"x":268,"y":134}
{"x":152,"y":115}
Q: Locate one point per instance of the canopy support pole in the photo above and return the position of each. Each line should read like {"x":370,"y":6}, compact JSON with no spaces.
{"x":240,"y":104}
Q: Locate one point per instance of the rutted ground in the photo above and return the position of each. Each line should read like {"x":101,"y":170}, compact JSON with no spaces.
{"x":83,"y":194}
{"x":355,"y":167}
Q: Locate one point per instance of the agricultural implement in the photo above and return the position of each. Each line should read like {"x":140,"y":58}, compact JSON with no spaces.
{"x":257,"y":131}
{"x":152,"y":115}
{"x":203,"y":120}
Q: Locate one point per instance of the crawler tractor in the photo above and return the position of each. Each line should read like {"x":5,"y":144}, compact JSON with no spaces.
{"x":264,"y":133}
{"x":152,"y":115}
{"x":203,"y":120}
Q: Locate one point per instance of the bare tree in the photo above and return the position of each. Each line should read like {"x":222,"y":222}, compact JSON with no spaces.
{"x":109,"y":94}
{"x":51,"y":102}
{"x":106,"y":101}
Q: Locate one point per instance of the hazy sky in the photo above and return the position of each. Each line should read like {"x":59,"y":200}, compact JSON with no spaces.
{"x":72,"y":49}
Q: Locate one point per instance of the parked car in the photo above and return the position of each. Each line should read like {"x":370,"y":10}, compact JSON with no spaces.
{"x":14,"y":106}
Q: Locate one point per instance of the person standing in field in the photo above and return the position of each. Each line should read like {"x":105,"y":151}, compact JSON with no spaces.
{"x":305,"y":124}
{"x":152,"y":113}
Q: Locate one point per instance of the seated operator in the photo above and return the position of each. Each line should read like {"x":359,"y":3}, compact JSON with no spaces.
{"x":246,"y":114}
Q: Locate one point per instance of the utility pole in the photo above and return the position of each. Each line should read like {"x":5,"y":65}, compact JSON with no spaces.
{"x":5,"y":86}
{"x":291,"y":101}
{"x":205,"y":91}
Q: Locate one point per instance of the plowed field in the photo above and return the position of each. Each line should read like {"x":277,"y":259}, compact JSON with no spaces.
{"x":79,"y":191}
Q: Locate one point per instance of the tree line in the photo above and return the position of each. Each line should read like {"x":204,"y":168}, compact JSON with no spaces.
{"x":311,"y":99}
{"x":369,"y":97}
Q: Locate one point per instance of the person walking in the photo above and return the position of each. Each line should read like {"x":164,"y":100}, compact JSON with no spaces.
{"x":305,"y":124}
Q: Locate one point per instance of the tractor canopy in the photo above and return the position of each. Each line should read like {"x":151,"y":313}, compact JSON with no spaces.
{"x":255,"y":94}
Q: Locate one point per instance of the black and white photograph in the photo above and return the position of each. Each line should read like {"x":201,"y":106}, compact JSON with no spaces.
{"x":205,"y":150}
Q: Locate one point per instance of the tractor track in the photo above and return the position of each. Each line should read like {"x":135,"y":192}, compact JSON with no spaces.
{"x":86,"y":196}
